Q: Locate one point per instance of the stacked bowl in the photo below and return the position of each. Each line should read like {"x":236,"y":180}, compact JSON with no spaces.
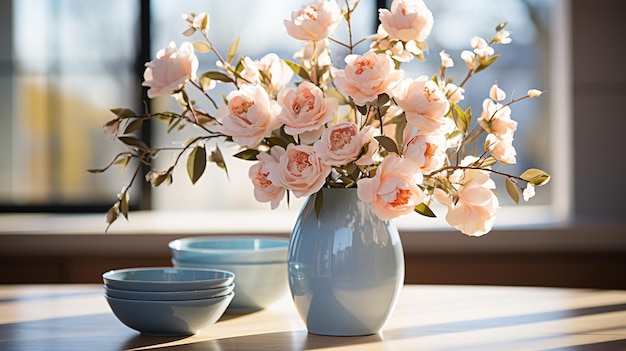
{"x":258,"y":262}
{"x":168,"y":300}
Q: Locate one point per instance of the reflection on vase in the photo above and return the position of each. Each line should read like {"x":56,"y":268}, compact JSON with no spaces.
{"x":346,"y":268}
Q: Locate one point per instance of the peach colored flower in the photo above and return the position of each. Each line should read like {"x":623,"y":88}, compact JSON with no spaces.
{"x":427,"y":150}
{"x":408,"y":20}
{"x":314,"y":50}
{"x":423,"y":102}
{"x":446,"y":60}
{"x":264,"y":189}
{"x":305,"y":111}
{"x":475,"y":209}
{"x":367,"y":76}
{"x":299,"y":170}
{"x":393,"y":47}
{"x":496,"y":94}
{"x":501,"y":148}
{"x":454,"y":93}
{"x":249,"y":116}
{"x":469,"y":58}
{"x":342,"y":143}
{"x":270,"y":71}
{"x":528,"y":192}
{"x":394,"y":190}
{"x":481,"y":47}
{"x":496,"y":120}
{"x":170,"y":70}
{"x":316,"y":20}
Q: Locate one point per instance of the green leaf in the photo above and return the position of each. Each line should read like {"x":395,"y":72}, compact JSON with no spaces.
{"x":535,"y":176}
{"x":298,"y":70}
{"x":124,"y":200}
{"x":511,"y":189}
{"x":216,"y":75}
{"x":388,"y":143}
{"x":218,"y":158}
{"x":489,"y":161}
{"x":133,"y":142}
{"x":363,"y":109}
{"x":196,"y":163}
{"x":424,"y":210}
{"x":232,"y":50}
{"x":202,"y":46}
{"x":112,"y":215}
{"x":133,"y":126}
{"x":123,"y":112}
{"x":483,"y":64}
{"x":460,"y":118}
{"x":247,"y":154}
{"x":382,"y":99}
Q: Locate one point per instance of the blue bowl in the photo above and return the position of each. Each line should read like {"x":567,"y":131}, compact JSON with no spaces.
{"x":230,"y":249}
{"x":169,"y":295}
{"x":169,"y":318}
{"x":167,"y":279}
{"x":256,"y":285}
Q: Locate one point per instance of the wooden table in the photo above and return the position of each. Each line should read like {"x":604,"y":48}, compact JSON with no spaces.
{"x":77,"y":317}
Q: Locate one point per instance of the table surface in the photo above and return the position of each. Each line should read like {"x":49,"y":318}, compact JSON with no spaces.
{"x":427,"y":317}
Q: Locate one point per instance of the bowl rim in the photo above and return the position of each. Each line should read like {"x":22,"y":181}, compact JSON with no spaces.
{"x":227,"y":278}
{"x":224,"y":238}
{"x":212,"y":299}
{"x":172,"y":292}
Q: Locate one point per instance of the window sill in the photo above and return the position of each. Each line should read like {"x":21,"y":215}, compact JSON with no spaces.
{"x":147,"y":233}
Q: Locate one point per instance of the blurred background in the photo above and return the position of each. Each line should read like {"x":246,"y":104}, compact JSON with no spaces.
{"x":65,"y":63}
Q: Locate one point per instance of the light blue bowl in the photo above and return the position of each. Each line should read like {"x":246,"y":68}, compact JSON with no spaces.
{"x":169,"y":295}
{"x":230,"y":249}
{"x":256,"y":285}
{"x":169,"y":318}
{"x":167,"y":279}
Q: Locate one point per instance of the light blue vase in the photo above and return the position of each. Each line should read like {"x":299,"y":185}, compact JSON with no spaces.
{"x":346,"y":267}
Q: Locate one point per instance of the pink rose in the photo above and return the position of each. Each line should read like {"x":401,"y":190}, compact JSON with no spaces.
{"x":249,"y":116}
{"x":314,"y":53}
{"x":270,"y":71}
{"x":264,"y":189}
{"x":393,"y":191}
{"x":423,"y":102}
{"x":299,"y":170}
{"x":170,"y":70}
{"x":342,"y":143}
{"x":367,"y":76}
{"x":428,"y":151}
{"x":408,"y":20}
{"x":305,"y":110}
{"x":316,"y":20}
{"x":501,"y":148}
{"x":496,"y":120}
{"x":475,"y":209}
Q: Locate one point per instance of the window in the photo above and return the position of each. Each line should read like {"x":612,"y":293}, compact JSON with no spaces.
{"x":73,"y":60}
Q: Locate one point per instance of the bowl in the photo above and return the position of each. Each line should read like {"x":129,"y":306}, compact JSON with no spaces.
{"x":169,"y":318}
{"x":256,"y":285}
{"x":169,"y":295}
{"x":230,"y":249}
{"x":167,"y":279}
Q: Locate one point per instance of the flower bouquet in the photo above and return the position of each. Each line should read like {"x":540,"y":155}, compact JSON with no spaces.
{"x":312,"y":121}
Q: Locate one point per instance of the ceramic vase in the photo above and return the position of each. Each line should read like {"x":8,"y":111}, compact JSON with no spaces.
{"x":346,"y":267}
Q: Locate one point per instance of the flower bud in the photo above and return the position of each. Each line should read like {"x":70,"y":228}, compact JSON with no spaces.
{"x":533,"y":93}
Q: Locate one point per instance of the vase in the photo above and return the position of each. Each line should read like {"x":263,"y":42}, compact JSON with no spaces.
{"x":346,"y":266}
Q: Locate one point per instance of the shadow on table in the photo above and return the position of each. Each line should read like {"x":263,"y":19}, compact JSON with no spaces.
{"x":301,"y":340}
